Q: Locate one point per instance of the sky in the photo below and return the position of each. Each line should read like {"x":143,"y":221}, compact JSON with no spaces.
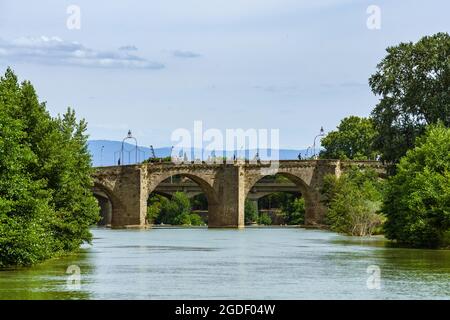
{"x":158,"y":66}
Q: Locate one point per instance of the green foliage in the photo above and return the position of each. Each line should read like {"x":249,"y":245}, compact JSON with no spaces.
{"x":158,"y":159}
{"x":175,"y":211}
{"x":199,"y":202}
{"x":265,"y":219}
{"x":353,"y":202}
{"x":413,"y":82}
{"x":353,"y":140}
{"x":153,"y":208}
{"x":195,"y":220}
{"x":46,"y":206}
{"x":251,"y":212}
{"x":292,"y":206}
{"x":417,"y":202}
{"x":294,"y":211}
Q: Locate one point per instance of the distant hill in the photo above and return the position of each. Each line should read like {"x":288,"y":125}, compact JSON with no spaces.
{"x":111,"y":153}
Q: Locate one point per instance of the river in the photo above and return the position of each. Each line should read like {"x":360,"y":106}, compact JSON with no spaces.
{"x":253,"y":263}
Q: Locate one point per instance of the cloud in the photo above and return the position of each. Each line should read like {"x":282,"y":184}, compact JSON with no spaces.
{"x":185,"y":54}
{"x":53,"y":50}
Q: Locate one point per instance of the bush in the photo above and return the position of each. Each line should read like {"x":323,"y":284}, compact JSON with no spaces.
{"x":250,"y":212}
{"x":294,"y":211}
{"x":417,"y":202}
{"x":265,"y":219}
{"x":175,"y":211}
{"x":153,"y":208}
{"x":195,"y":220}
{"x":353,"y":201}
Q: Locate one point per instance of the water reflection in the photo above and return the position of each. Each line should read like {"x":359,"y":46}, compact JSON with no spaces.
{"x":47,"y":280}
{"x":264,"y":263}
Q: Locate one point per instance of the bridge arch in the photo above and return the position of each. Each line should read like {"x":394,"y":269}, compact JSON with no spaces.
{"x":110,"y":204}
{"x":303,"y":188}
{"x":206,"y":186}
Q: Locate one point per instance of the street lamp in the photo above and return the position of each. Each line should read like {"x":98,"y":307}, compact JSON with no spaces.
{"x":101,"y":156}
{"x":307,"y":151}
{"x":152,"y":152}
{"x":129,"y":136}
{"x":321,"y":134}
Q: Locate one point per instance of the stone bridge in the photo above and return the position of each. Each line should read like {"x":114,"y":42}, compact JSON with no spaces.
{"x":259,"y":190}
{"x":225,"y":185}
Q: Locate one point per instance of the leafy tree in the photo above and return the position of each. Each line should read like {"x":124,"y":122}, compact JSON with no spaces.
{"x":251,"y":212}
{"x":195,"y":220}
{"x":294,"y":211}
{"x":172,"y":209}
{"x":153,"y":208}
{"x":413,"y":82}
{"x":265,"y":219}
{"x":417,"y":202}
{"x":353,"y":202}
{"x":175,"y":211}
{"x":353,"y":140}
{"x":46,"y":205}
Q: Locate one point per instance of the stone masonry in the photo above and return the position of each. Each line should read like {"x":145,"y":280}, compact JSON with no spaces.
{"x":226,"y":186}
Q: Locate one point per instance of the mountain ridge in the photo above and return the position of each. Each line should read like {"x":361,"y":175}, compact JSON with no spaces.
{"x":108,"y":152}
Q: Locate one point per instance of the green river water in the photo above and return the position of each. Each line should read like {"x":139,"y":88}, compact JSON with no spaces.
{"x":252,"y":263}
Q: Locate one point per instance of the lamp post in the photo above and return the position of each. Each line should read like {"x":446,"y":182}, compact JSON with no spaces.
{"x":152,"y":152}
{"x":321,"y":134}
{"x":307,"y":151}
{"x":171,"y":151}
{"x":129,"y":136}
{"x":101,"y":156}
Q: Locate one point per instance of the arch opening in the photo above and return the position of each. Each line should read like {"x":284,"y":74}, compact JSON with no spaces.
{"x":106,"y":206}
{"x":280,"y":199}
{"x":181,"y":199}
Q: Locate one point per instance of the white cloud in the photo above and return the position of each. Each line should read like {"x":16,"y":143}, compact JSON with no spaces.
{"x":53,"y":50}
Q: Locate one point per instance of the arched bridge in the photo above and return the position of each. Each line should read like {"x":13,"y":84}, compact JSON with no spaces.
{"x":226,"y":186}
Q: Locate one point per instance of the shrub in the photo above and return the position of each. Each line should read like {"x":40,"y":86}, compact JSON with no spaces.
{"x":353,"y":201}
{"x":417,"y":202}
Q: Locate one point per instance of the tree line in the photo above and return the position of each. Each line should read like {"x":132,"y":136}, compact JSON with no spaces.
{"x":46,"y":203}
{"x":409,"y":131}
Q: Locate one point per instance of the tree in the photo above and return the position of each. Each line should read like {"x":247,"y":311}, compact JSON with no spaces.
{"x":46,"y":203}
{"x":353,"y":202}
{"x":413,"y":83}
{"x":265,"y":219}
{"x":417,"y":202}
{"x":294,"y":211}
{"x":153,"y":208}
{"x":175,"y":211}
{"x":353,"y":140}
{"x":250,"y":212}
